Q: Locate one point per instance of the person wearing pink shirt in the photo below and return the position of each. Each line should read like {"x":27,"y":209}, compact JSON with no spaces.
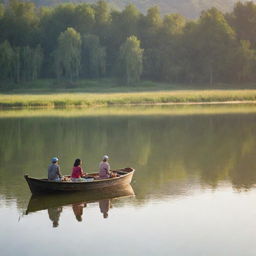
{"x":104,"y":168}
{"x":77,"y":172}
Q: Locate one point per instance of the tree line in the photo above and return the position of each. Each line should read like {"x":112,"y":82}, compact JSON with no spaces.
{"x":73,"y":41}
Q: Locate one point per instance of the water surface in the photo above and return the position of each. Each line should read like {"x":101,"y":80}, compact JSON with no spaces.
{"x":194,"y":184}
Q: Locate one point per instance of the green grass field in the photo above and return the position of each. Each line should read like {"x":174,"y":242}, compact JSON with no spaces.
{"x":85,"y":93}
{"x":55,"y":100}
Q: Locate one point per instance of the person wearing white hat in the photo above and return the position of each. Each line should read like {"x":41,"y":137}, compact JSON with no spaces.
{"x":104,"y":168}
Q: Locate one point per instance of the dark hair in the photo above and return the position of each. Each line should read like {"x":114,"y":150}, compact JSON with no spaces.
{"x":77,"y":162}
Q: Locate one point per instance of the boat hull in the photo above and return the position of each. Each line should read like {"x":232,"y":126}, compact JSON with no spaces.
{"x":39,"y":186}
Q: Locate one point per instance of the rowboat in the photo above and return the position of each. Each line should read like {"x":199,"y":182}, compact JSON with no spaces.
{"x":48,"y":201}
{"x":39,"y":186}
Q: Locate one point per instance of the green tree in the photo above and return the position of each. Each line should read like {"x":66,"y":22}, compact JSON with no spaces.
{"x":17,"y":64}
{"x":84,"y":20}
{"x":93,"y":57}
{"x":243,"y":20}
{"x":211,"y":41}
{"x":149,"y":27}
{"x":20,"y":63}
{"x":31,"y":60}
{"x":68,"y":55}
{"x":153,"y":18}
{"x":25,"y":62}
{"x":130,"y":60}
{"x":173,"y":24}
{"x":37,"y":61}
{"x":102,"y":19}
{"x":123,"y":25}
{"x":1,"y":10}
{"x":243,"y":62}
{"x":19,"y":24}
{"x":6,"y":60}
{"x":165,"y":63}
{"x":102,"y":13}
{"x":53,"y":22}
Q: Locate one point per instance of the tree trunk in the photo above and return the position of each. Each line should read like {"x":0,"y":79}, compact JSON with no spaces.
{"x":211,"y":75}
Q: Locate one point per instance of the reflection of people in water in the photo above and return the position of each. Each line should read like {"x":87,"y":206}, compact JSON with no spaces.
{"x":78,"y":210}
{"x":104,"y":207}
{"x":54,"y":215}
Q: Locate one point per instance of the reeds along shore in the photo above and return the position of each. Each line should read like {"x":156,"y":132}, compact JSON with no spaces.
{"x":53,"y":100}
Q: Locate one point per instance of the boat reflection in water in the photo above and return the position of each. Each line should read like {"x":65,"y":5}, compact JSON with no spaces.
{"x":78,"y":200}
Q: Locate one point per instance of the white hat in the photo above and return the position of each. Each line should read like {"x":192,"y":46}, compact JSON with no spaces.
{"x":105,"y":157}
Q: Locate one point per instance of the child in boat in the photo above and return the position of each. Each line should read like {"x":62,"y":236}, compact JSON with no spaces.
{"x":77,"y":172}
{"x":54,"y":170}
{"x":104,"y":172}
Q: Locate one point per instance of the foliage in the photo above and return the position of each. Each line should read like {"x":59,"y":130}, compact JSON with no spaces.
{"x":93,"y":57}
{"x":19,"y":23}
{"x":95,"y":41}
{"x":130,"y":60}
{"x":20,"y":63}
{"x":243,"y":20}
{"x":6,"y":60}
{"x":214,"y":47}
{"x":68,"y":55}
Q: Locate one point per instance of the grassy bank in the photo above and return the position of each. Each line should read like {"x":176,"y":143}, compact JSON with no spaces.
{"x":105,"y":92}
{"x":68,"y":99}
{"x":110,"y":85}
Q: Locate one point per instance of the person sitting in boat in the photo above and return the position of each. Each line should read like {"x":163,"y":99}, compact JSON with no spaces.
{"x":77,"y":172}
{"x":54,"y":170}
{"x":104,"y":172}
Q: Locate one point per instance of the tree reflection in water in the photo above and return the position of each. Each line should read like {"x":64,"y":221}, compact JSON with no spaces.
{"x":168,"y":149}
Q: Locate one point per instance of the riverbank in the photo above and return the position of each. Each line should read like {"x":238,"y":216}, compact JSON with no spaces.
{"x":84,"y":99}
{"x":105,"y":92}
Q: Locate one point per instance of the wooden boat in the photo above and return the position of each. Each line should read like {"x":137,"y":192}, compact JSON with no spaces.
{"x":38,"y":186}
{"x":47,"y":201}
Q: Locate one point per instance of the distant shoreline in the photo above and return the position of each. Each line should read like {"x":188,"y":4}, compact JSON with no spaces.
{"x":163,"y":97}
{"x":18,"y":106}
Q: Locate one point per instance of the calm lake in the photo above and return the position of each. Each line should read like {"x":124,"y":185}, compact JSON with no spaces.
{"x":193,"y":192}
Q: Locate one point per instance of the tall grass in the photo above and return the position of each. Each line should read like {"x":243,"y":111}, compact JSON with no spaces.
{"x":53,"y":100}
